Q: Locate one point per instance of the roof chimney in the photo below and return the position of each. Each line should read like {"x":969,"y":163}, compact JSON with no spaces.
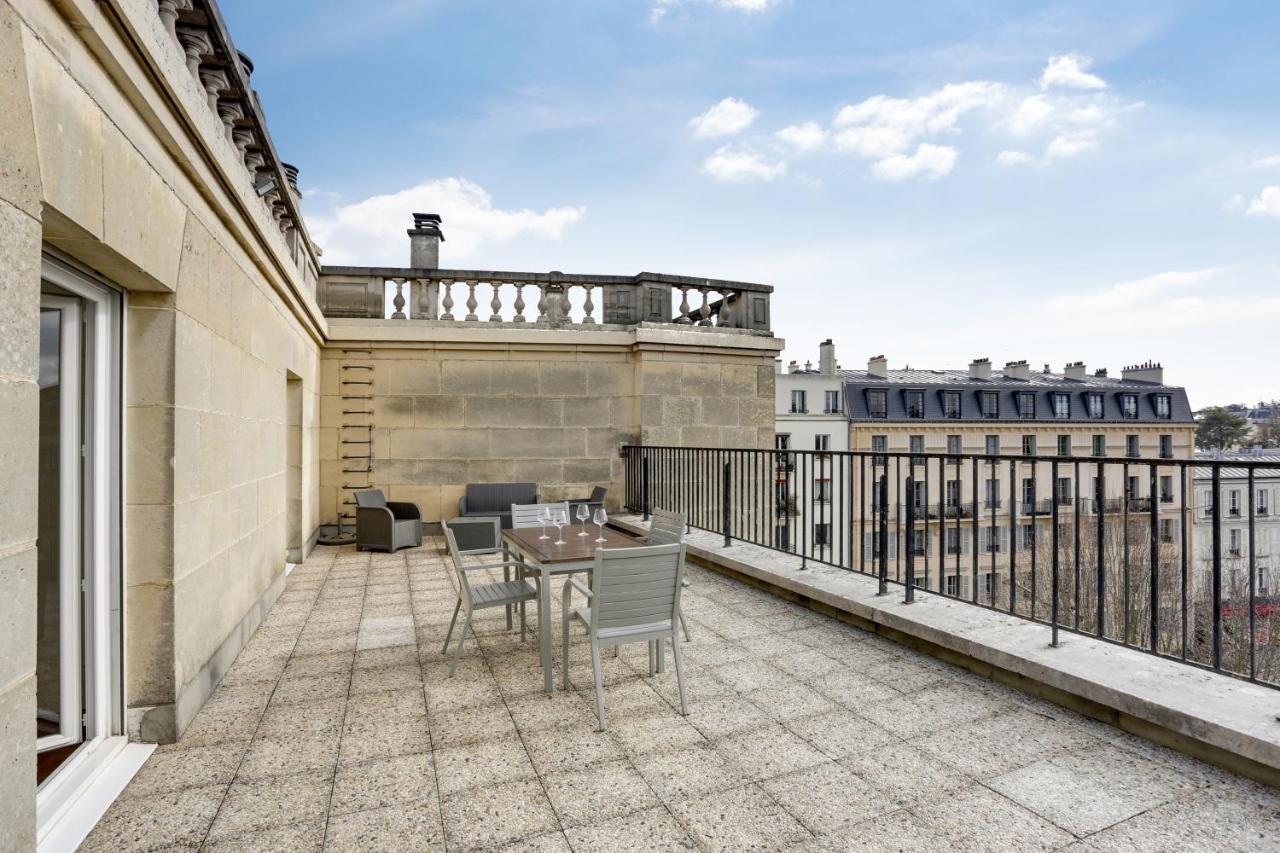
{"x":777,"y":366}
{"x":980,"y":368}
{"x":1076,"y":371}
{"x":1148,"y":371}
{"x":878,"y":367}
{"x":808,"y":367}
{"x":425,"y":238}
{"x":793,"y":367}
{"x":1019,"y":370}
{"x":827,"y":358}
{"x":1100,"y":373}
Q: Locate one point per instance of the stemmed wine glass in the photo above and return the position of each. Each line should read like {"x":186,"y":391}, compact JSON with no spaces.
{"x":584,"y":513}
{"x":600,"y":518}
{"x":544,"y":518}
{"x":560,"y":518}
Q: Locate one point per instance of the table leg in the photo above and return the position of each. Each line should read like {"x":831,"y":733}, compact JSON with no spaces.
{"x":544,"y":630}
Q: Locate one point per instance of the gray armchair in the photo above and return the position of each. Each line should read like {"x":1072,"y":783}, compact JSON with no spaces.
{"x":496,"y":499}
{"x":596,"y":500}
{"x":386,"y":525}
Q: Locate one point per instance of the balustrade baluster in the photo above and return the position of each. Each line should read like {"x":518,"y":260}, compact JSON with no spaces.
{"x":471,"y":302}
{"x":398,"y":300}
{"x":588,"y":306}
{"x":565,"y":307}
{"x":519,"y":304}
{"x":542,"y":303}
{"x":683,"y":317}
{"x":495,"y":303}
{"x":705,"y":310}
{"x":447,"y":302}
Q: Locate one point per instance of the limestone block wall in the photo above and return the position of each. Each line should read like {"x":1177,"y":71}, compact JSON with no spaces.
{"x":550,"y":407}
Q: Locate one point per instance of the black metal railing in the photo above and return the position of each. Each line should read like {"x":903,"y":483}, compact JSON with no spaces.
{"x":1078,"y":544}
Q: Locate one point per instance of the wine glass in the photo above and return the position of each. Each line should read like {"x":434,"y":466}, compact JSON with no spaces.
{"x":560,"y":518}
{"x":544,"y":518}
{"x":600,"y":518}
{"x":584,"y":513}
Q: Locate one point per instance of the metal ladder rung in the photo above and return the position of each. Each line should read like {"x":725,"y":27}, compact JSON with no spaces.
{"x":357,"y":396}
{"x":365,"y":351}
{"x":357,"y":367}
{"x":357,"y":382}
{"x":353,"y":441}
{"x":358,"y":412}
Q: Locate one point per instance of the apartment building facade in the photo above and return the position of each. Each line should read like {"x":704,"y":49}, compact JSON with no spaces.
{"x":1245,"y":503}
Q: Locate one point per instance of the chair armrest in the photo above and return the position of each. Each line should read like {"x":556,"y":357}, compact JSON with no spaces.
{"x":502,"y":565}
{"x":404,"y":510}
{"x":462,"y":505}
{"x":578,"y":585}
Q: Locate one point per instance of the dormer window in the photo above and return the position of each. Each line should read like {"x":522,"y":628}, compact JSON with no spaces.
{"x":1026,"y":405}
{"x":951,"y":404}
{"x":989,"y":404}
{"x":878,"y":403}
{"x":1164,"y":409}
{"x":915,"y":403}
{"x":1129,"y":406}
{"x":1061,"y":406}
{"x":1094,"y":403}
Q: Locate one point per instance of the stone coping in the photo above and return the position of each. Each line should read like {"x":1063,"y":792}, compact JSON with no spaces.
{"x":1221,"y":719}
{"x":378,"y":330}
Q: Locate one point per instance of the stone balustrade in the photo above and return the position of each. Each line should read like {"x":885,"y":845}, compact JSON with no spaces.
{"x":544,"y":299}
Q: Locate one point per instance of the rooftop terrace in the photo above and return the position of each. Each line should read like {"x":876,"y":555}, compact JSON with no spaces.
{"x":337,"y":727}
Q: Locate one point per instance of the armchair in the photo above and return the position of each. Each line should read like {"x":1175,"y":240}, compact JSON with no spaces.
{"x":386,"y":525}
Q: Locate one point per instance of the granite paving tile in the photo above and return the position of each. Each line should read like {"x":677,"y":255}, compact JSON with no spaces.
{"x":739,"y":819}
{"x":396,"y":781}
{"x":496,"y":815}
{"x":653,"y":829}
{"x":172,"y":818}
{"x":410,"y":829}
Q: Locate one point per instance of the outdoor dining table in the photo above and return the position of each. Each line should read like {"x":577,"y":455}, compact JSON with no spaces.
{"x":577,"y":554}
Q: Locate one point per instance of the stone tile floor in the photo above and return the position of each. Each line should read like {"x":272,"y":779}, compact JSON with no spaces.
{"x":338,"y":729}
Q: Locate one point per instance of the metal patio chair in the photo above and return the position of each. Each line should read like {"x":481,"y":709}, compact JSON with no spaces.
{"x":634,"y":597}
{"x":481,"y":536}
{"x":505,"y":593}
{"x":526,"y":515}
{"x":667,"y":527}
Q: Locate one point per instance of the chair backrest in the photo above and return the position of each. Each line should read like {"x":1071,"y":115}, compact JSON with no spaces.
{"x":476,"y":534}
{"x":633,"y":587}
{"x":455,"y":555}
{"x":665,"y":527}
{"x":496,"y":497}
{"x":373,"y":497}
{"x":597,"y":495}
{"x":526,"y":515}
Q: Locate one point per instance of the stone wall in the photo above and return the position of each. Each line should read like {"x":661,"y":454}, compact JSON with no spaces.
{"x":453,"y":406}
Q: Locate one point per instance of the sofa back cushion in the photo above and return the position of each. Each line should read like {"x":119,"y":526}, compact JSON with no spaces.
{"x":498,"y":497}
{"x":373,"y":497}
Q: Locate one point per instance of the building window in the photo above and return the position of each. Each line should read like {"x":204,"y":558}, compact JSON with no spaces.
{"x":953,"y":444}
{"x":993,"y":445}
{"x":1166,"y":489}
{"x":1094,"y":403}
{"x":782,"y":441}
{"x":916,"y":444}
{"x":1164,"y":411}
{"x":989,"y":539}
{"x":1131,"y":446}
{"x":878,"y":403}
{"x":989,"y":403}
{"x":1028,"y":537}
{"x":822,"y":442}
{"x":1166,"y":530}
{"x":1028,"y":445}
{"x":1264,"y":582}
{"x":1063,"y":491}
{"x":919,"y":546}
{"x":1262,"y":502}
{"x":953,"y":494}
{"x":951,"y":404}
{"x":1129,"y":406}
{"x":879,"y":445}
{"x":1026,"y":404}
{"x":993,"y":494}
{"x":1028,"y":494}
{"x":822,"y":533}
{"x":1099,"y":445}
{"x":822,"y":491}
{"x":831,"y":406}
{"x":915,"y":403}
{"x":1061,"y":406}
{"x":1166,"y":447}
{"x":799,"y":405}
{"x":988,"y":584}
{"x":953,"y":540}
{"x":1064,"y":445}
{"x":1233,"y":545}
{"x":1233,"y":502}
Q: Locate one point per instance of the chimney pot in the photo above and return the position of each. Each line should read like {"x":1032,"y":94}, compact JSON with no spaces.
{"x":1075,"y":371}
{"x":827,"y":358}
{"x":1019,"y":370}
{"x":1148,"y":371}
{"x":980,"y":368}
{"x":878,"y":367}
{"x":425,"y":238}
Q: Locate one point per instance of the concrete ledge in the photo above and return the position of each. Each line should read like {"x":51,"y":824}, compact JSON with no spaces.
{"x":1216,"y":718}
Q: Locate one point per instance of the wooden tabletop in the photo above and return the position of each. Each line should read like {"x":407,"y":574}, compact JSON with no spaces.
{"x":575,"y":548}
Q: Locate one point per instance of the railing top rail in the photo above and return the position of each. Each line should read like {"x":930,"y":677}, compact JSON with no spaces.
{"x":507,"y":276}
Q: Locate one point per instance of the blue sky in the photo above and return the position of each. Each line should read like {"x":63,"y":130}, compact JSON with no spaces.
{"x":1084,"y":180}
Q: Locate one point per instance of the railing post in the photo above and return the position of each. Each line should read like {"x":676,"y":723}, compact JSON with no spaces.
{"x":644,"y":482}
{"x":1053,"y":604}
{"x":884,"y":535}
{"x":1216,"y":503}
{"x":1155,"y":559}
{"x":724,"y":502}
{"x":911,"y":540}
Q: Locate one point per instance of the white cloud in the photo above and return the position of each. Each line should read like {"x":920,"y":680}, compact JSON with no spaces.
{"x":1141,"y":293}
{"x":901,"y":121}
{"x":746,"y":5}
{"x":658,"y":11}
{"x":739,"y":167}
{"x":371,"y":231}
{"x":1033,"y":113}
{"x":932,"y":161}
{"x":1014,"y":158}
{"x":1070,"y":71}
{"x":1071,"y":144}
{"x":1267,"y":162}
{"x":726,"y":118}
{"x":1267,"y":203}
{"x":804,"y":138}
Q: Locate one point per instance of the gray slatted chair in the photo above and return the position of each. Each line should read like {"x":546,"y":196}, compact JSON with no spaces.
{"x":526,"y":515}
{"x":481,"y":536}
{"x":634,"y":597}
{"x":477,"y":597}
{"x":667,"y":527}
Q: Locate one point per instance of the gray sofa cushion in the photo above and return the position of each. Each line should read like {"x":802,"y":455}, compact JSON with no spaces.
{"x":498,"y":497}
